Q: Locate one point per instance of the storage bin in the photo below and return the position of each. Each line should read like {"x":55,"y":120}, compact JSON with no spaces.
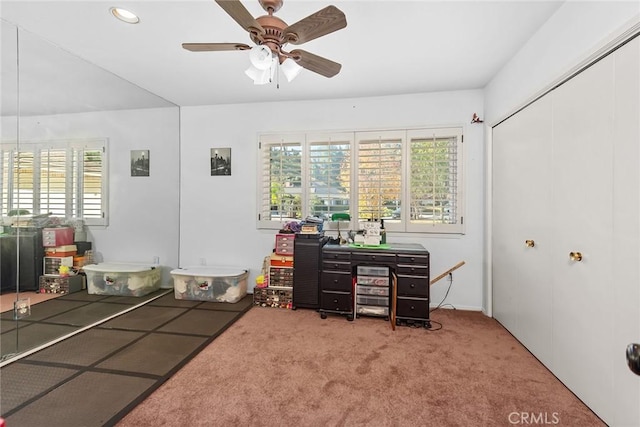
{"x":51,"y":265}
{"x":284,"y":244}
{"x":373,"y":280}
{"x":372,"y":271}
{"x":270,"y":297}
{"x":372,"y":300}
{"x":60,"y":285}
{"x":124,"y":279}
{"x":372,"y":290}
{"x":58,"y":236}
{"x":281,"y":260}
{"x":371,"y":310}
{"x":210,"y":283}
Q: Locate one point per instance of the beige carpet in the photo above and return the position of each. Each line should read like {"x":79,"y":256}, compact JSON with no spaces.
{"x":279,"y":367}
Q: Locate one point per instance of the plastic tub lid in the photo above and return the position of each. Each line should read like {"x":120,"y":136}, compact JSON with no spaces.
{"x":118,"y":267}
{"x":210,"y":271}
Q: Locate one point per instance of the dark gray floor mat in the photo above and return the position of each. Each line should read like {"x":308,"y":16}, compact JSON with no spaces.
{"x":30,"y":336}
{"x":145,"y":318}
{"x":88,"y":400}
{"x":96,"y":377}
{"x":20,"y":382}
{"x":155,"y":354}
{"x":86,"y":348}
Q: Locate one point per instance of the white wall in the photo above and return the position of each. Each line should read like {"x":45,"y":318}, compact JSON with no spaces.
{"x":574,"y":32}
{"x":218,"y":213}
{"x":143,"y":220}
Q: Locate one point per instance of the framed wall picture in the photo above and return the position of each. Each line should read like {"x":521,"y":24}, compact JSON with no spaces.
{"x":139,"y":162}
{"x":220,"y":161}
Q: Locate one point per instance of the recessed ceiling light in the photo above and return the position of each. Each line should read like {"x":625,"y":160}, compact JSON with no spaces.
{"x":124,"y":15}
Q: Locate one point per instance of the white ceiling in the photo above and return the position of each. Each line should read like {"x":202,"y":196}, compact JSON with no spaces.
{"x":388,"y":47}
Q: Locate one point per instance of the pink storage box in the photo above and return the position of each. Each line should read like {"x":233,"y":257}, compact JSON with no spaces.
{"x":58,"y":236}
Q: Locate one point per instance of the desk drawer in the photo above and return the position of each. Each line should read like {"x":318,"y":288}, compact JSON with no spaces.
{"x":336,"y":255}
{"x":336,"y":301}
{"x":414,"y":270}
{"x":413,"y":286}
{"x":413,"y":259}
{"x":336,"y":281}
{"x":374,"y":258}
{"x":336,"y":266}
{"x":412,"y":307}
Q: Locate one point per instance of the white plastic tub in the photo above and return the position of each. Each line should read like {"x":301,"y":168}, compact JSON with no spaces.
{"x":210,"y":283}
{"x":123,"y":279}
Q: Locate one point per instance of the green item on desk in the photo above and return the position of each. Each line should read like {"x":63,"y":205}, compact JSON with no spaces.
{"x":358,"y":245}
{"x":340,"y":216}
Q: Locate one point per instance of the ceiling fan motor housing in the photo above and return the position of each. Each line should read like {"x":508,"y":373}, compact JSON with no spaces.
{"x":273,"y":33}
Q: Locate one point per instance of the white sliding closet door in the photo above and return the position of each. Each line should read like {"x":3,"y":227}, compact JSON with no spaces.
{"x":566,"y":174}
{"x":583,"y":200}
{"x":523,"y":213}
{"x":626,"y":230}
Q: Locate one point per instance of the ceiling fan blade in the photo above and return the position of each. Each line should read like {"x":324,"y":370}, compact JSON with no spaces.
{"x":237,"y":11}
{"x":212,"y":47}
{"x":321,"y":23}
{"x":315,"y":63}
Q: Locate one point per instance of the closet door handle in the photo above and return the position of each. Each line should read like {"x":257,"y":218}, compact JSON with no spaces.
{"x":575,"y":256}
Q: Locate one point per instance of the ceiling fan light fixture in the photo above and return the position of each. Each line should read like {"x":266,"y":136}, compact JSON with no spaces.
{"x":261,"y":57}
{"x":124,"y":15}
{"x":259,"y":77}
{"x":290,"y":69}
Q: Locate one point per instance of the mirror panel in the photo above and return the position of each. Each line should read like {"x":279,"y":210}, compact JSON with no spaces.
{"x":50,"y":96}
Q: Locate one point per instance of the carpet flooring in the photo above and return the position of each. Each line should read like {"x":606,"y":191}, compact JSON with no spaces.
{"x":96,"y":377}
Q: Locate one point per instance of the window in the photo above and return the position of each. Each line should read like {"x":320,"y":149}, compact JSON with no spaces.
{"x":63,"y":178}
{"x":410,"y":178}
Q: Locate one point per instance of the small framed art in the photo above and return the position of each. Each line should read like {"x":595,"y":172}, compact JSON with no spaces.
{"x":220,"y":161}
{"x":139,"y":162}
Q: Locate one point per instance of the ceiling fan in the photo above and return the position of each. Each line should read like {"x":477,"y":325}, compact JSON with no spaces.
{"x":269,"y":31}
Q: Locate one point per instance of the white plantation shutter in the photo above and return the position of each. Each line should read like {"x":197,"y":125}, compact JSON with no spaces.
{"x":379,"y":173}
{"x":54,"y":181}
{"x":90,"y":184}
{"x":16,"y":180}
{"x":63,"y":178}
{"x":435,"y":176}
{"x":329,"y":174}
{"x":280,"y":180}
{"x":412,"y":179}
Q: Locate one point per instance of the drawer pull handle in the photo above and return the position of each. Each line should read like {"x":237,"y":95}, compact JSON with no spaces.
{"x":335,"y":301}
{"x":412,"y":286}
{"x":335,"y":280}
{"x":413,"y":307}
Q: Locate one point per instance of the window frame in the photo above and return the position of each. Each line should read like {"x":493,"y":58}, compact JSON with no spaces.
{"x":71,"y":147}
{"x":406,"y":135}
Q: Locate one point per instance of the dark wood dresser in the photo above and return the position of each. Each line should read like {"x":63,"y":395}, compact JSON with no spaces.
{"x":408,"y":265}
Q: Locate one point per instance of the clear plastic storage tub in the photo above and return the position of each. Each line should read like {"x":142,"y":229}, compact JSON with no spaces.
{"x":123,"y":279}
{"x":210,"y":283}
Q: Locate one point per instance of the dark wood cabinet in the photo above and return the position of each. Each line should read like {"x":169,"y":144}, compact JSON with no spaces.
{"x":408,"y":262}
{"x":23,"y":248}
{"x":307,"y":263}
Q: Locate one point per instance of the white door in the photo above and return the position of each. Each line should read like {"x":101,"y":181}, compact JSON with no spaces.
{"x":523,"y":218}
{"x":582,"y":202}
